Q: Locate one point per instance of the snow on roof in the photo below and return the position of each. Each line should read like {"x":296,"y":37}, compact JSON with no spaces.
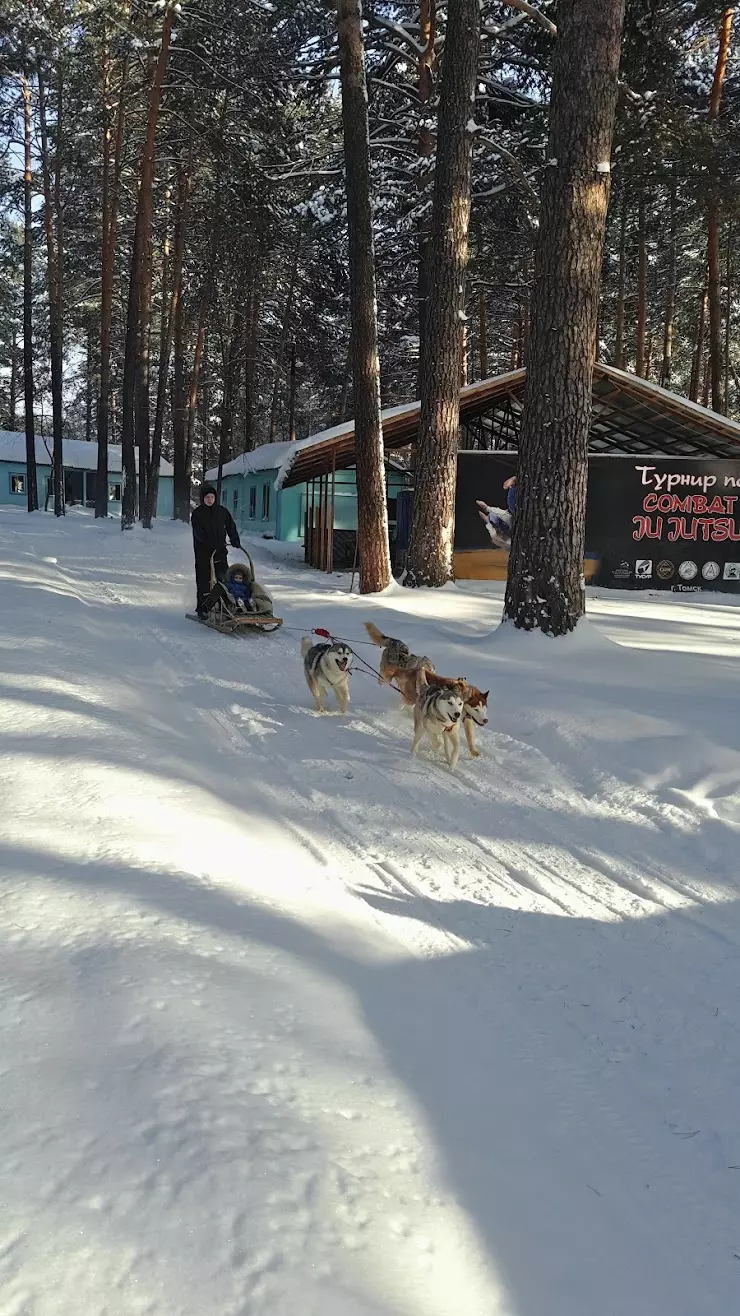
{"x":77,"y":454}
{"x":268,"y":457}
{"x":280,"y":456}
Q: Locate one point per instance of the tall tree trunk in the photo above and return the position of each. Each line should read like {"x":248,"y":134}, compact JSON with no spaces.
{"x":184,"y":458}
{"x":32,"y":495}
{"x":346,"y":387}
{"x":516,"y":339}
{"x":698,"y":355}
{"x":641,"y":286}
{"x":483,"y":334}
{"x":232,"y":375}
{"x":715,"y":308}
{"x":714,"y":301}
{"x":13,"y":398}
{"x":670,"y":296}
{"x":53,"y":265}
{"x":111,"y":192}
{"x":204,"y":406}
{"x":142,"y":417}
{"x":707,"y":381}
{"x":425,"y":178}
{"x":192,"y":404}
{"x":142,"y":244}
{"x":251,"y":354}
{"x":89,"y":381}
{"x":429,"y":560}
{"x":373,"y":553}
{"x":179,"y":402}
{"x":284,"y":333}
{"x":291,"y":395}
{"x":545,"y":589}
{"x":167,"y":331}
{"x":622,"y":278}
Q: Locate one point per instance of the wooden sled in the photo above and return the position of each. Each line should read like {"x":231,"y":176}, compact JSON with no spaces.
{"x":222,"y":618}
{"x":228,"y":625}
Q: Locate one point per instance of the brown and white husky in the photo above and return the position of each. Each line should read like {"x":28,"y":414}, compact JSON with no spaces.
{"x":475,"y":706}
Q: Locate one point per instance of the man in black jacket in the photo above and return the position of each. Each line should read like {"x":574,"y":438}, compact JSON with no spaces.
{"x":211,"y":523}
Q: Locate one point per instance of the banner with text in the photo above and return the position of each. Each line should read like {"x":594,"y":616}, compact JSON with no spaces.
{"x":653,"y":523}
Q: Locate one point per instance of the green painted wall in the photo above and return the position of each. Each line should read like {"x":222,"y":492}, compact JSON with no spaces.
{"x":77,"y":488}
{"x":286,"y":509}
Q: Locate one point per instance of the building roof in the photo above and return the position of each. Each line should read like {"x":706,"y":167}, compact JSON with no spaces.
{"x":268,"y":457}
{"x":313,"y":456}
{"x":637,"y":417}
{"x":631,"y":416}
{"x":77,"y":454}
{"x":281,"y":457}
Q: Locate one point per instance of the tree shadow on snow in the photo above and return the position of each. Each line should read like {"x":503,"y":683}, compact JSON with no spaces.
{"x":578,"y":1079}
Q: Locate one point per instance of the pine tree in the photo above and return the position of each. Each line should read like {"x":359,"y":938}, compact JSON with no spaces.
{"x":372,"y":514}
{"x":429,"y":559}
{"x":545,"y":588}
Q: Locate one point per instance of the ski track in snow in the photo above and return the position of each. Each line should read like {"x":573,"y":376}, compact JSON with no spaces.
{"x":297,"y":1024}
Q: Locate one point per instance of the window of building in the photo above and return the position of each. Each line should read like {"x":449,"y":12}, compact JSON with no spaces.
{"x":265,"y":502}
{"x":235,"y":500}
{"x":17,"y":484}
{"x":253,"y":502}
{"x":114,"y":493}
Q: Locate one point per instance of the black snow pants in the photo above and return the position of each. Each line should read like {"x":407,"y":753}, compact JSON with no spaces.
{"x":203,"y":570}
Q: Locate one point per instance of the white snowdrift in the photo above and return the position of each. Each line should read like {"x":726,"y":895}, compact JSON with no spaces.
{"x":294,"y":1025}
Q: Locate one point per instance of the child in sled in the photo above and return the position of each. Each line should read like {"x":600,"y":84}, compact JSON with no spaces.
{"x":239,"y":585}
{"x":235,"y":593}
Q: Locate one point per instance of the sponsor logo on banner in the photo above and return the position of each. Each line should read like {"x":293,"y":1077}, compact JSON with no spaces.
{"x":665,"y":570}
{"x":687,"y":589}
{"x":731,"y":571}
{"x":710,"y":570}
{"x":623,"y":571}
{"x":643,"y":569}
{"x":688,"y":570}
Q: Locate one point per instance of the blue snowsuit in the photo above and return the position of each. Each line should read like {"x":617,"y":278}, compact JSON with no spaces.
{"x":242,"y":591}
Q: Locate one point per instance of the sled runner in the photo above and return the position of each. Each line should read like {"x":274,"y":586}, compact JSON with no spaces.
{"x":227,"y":614}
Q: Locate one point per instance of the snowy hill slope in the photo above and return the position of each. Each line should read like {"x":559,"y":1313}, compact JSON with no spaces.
{"x":296,"y":1025}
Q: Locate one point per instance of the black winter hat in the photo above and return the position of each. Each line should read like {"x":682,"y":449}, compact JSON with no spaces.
{"x":206,"y":489}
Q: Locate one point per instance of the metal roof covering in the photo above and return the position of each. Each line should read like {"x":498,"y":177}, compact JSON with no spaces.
{"x":631,"y":416}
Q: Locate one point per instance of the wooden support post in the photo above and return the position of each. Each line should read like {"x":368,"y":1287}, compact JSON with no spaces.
{"x":330,"y":544}
{"x":309,"y":521}
{"x":321,"y":527}
{"x":291,"y":395}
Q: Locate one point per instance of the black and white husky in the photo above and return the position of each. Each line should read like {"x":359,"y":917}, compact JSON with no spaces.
{"x":437,"y":714}
{"x":327,"y":667}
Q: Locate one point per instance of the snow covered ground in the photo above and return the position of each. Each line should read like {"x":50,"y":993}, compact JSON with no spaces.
{"x":295,"y":1025}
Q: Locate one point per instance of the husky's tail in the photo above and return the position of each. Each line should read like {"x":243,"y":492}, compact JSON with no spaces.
{"x":376,"y":636}
{"x":306,"y":644}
